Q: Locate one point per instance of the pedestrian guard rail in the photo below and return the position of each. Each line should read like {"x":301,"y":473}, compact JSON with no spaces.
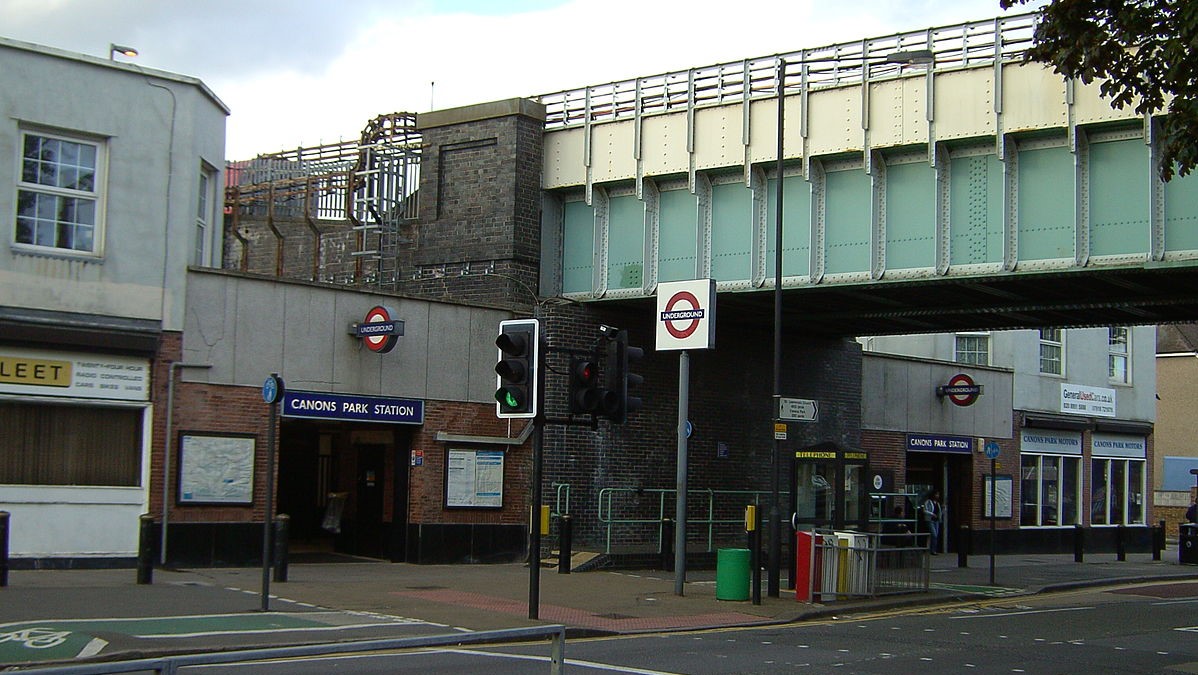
{"x":720,"y":514}
{"x":834,"y":565}
{"x":169,"y":665}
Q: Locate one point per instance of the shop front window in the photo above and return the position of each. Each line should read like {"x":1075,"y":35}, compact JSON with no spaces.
{"x":1049,"y":488}
{"x":1117,"y":495}
{"x":1029,"y":489}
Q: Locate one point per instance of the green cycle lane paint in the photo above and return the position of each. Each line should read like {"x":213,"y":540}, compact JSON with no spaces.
{"x":65,"y":639}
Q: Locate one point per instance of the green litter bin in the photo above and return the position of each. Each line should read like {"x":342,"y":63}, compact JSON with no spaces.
{"x":732,"y":574}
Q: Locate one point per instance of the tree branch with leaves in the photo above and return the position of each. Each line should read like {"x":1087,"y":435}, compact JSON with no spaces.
{"x":1141,"y":52}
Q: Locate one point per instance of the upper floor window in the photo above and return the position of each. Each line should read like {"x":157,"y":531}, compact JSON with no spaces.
{"x":203,"y":216}
{"x":59,"y":193}
{"x":1118,"y":349}
{"x":1052,"y":351}
{"x":973,"y":348}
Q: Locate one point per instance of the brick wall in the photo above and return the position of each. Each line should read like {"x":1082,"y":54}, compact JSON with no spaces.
{"x":729,"y":405}
{"x":480,"y":213}
{"x":219,"y":409}
{"x":426,"y":490}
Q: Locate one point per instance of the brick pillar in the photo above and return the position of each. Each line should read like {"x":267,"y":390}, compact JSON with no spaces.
{"x":478,"y":238}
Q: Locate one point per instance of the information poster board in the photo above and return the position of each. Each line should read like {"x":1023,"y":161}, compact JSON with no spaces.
{"x":216,"y":469}
{"x":1002,"y":495}
{"x":474,"y":479}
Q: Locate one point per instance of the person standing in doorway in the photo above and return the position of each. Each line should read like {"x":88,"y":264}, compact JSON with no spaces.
{"x":932,"y":513}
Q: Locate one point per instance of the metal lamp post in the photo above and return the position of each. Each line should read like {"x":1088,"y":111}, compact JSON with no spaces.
{"x":905,"y":57}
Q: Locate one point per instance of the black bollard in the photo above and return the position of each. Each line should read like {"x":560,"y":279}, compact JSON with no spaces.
{"x":566,"y":544}
{"x":1079,"y":543}
{"x":282,"y":543}
{"x":3,"y":548}
{"x":145,"y":550}
{"x":964,"y":546}
{"x":1120,"y":543}
{"x":1158,"y":540}
{"x":667,"y":544}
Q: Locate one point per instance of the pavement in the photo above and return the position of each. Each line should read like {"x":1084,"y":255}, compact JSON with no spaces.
{"x":65,"y":615}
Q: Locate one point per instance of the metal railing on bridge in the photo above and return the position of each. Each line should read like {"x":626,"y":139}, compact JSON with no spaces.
{"x":961,"y":45}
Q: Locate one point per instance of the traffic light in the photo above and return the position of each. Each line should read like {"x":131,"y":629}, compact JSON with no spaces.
{"x":584,"y":386}
{"x":517,"y":368}
{"x":619,"y":375}
{"x":587,"y":397}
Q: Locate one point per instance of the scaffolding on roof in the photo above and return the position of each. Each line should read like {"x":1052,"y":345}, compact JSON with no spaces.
{"x":370,"y":184}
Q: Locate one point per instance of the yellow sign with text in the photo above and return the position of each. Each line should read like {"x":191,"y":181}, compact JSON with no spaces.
{"x":39,"y":372}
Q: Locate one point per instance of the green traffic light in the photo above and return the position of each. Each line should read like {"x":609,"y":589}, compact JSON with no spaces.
{"x":508,"y":398}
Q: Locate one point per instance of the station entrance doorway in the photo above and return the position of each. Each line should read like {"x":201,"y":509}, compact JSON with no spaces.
{"x":345,"y":487}
{"x":951,"y":474}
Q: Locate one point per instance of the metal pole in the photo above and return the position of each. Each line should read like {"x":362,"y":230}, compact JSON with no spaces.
{"x":4,"y":516}
{"x":268,"y":516}
{"x":993,"y":512}
{"x":534,"y":535}
{"x":775,"y":532}
{"x":684,"y":384}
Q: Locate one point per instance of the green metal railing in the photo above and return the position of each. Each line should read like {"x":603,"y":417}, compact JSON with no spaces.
{"x":614,"y":503}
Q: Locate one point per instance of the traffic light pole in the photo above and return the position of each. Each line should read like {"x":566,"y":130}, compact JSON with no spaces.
{"x":534,"y":538}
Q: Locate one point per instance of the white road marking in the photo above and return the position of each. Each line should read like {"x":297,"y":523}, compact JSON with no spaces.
{"x":465,"y":652}
{"x":1031,"y":611}
{"x":266,"y":631}
{"x":94,"y":647}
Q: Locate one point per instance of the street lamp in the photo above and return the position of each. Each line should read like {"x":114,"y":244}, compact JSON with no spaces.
{"x":114,"y":49}
{"x":910,"y":57}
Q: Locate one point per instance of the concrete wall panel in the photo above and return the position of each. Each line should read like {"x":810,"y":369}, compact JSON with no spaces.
{"x":612,"y":150}
{"x":718,"y":137}
{"x":964,"y":104}
{"x":1033,"y":98}
{"x":563,"y":164}
{"x":663,"y":140}
{"x":835,"y":121}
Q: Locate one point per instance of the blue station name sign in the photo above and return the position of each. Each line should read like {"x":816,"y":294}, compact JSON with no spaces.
{"x":939,"y":443}
{"x":350,"y":408}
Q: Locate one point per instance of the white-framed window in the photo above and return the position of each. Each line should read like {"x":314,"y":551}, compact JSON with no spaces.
{"x":972,"y":348}
{"x":1052,"y":351}
{"x":204,"y":202}
{"x":1116,"y":491}
{"x":1119,"y":350}
{"x":1050,"y":490}
{"x":60,"y":193}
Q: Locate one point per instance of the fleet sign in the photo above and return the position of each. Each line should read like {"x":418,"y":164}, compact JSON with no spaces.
{"x":686,"y":315}
{"x":350,"y":408}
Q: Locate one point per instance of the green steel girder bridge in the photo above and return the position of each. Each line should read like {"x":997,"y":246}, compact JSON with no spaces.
{"x":974,"y":193}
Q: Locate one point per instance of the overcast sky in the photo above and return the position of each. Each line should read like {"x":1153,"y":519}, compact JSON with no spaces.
{"x":304,"y":72}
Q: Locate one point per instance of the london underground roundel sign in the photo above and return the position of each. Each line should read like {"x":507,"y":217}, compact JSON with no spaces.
{"x":686,"y":315}
{"x":379,"y":330}
{"x":961,"y":390}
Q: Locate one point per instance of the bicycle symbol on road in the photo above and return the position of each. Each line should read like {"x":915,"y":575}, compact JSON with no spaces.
{"x":36,"y":638}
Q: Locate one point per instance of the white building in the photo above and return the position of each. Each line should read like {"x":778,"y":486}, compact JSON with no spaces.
{"x":1082,"y":413}
{"x":109,"y":182}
